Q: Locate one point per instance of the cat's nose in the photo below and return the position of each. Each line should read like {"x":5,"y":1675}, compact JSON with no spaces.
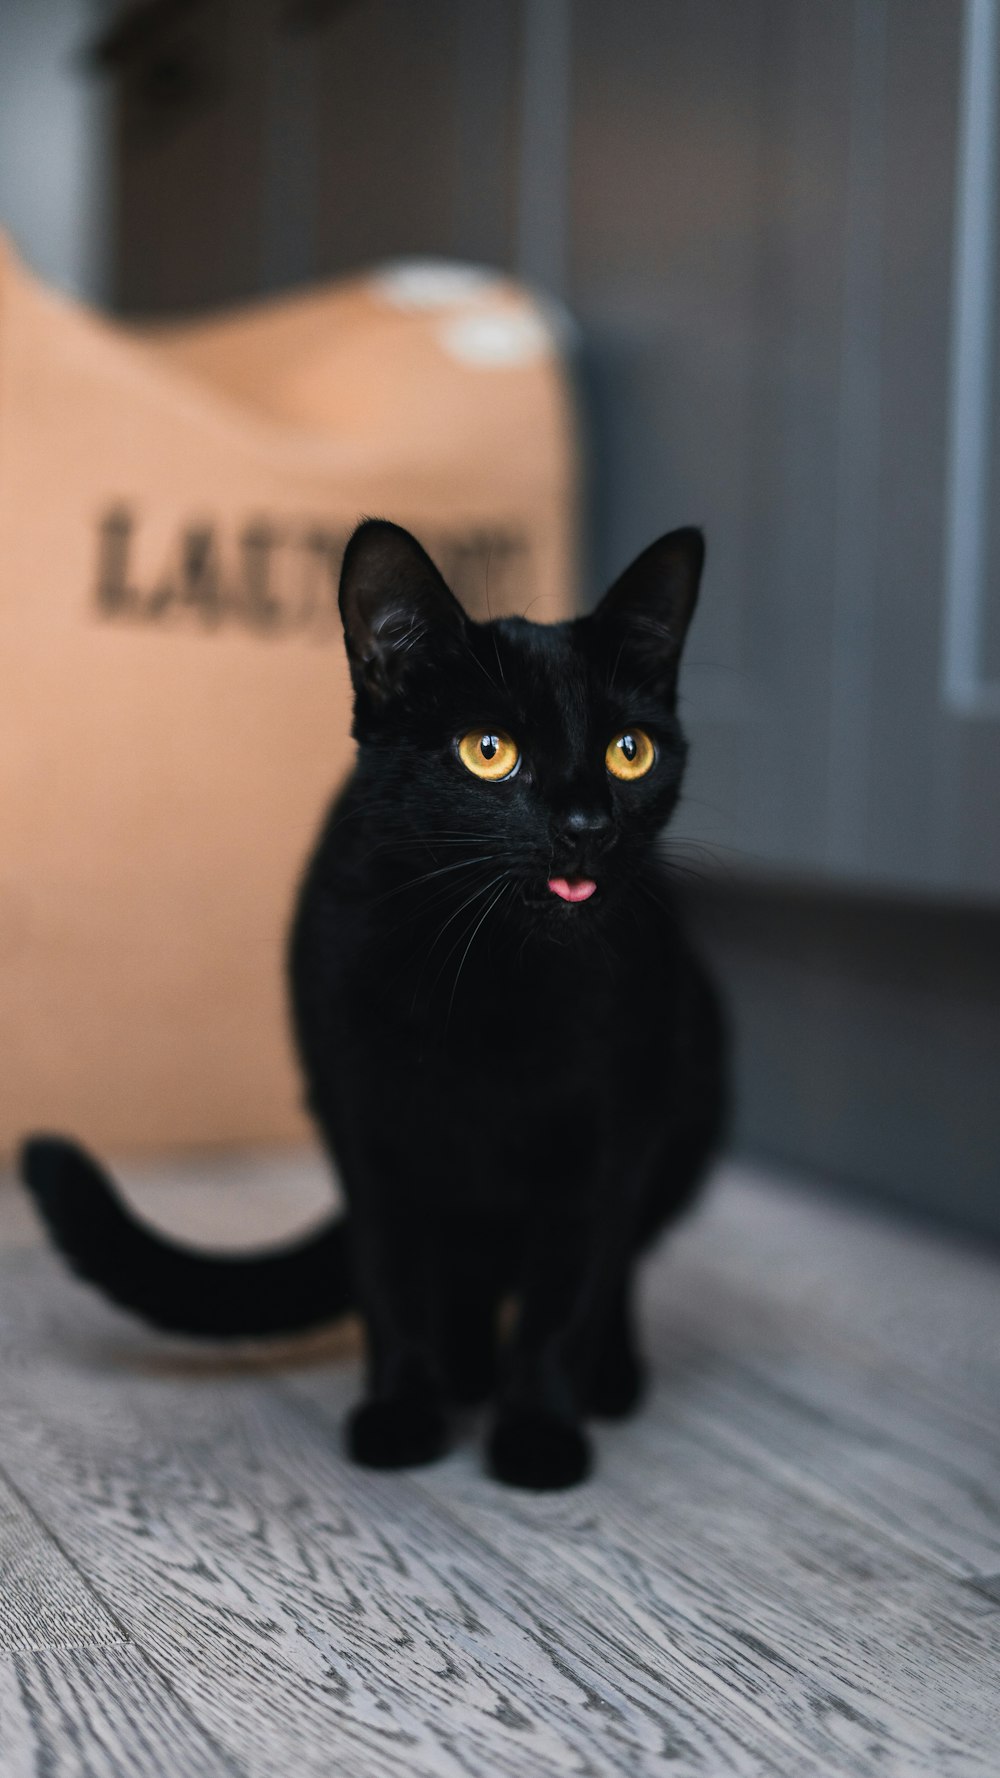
{"x":582,"y":826}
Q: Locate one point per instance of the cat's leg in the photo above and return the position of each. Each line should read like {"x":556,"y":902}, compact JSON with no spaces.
{"x":403,"y":1419}
{"x":475,"y":1268}
{"x":618,"y":1374}
{"x":470,"y":1341}
{"x":574,"y":1276}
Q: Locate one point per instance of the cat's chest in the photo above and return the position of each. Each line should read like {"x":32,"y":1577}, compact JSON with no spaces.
{"x":501,"y":1117}
{"x":498,"y":1010}
{"x":496,"y":1083}
{"x":489,"y":1037}
{"x":507,"y":1045}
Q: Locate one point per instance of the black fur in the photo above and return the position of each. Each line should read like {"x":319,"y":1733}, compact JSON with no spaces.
{"x":216,"y":1296}
{"x":519,"y":1092}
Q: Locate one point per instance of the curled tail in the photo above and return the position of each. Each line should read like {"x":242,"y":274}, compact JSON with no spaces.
{"x":218,"y":1296}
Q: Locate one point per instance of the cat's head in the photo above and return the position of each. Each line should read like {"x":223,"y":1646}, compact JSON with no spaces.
{"x":541,"y":758}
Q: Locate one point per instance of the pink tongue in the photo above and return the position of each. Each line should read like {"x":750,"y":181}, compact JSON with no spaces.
{"x":579,"y":890}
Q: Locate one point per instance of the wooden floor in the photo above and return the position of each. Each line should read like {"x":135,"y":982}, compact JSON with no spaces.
{"x":788,"y":1565}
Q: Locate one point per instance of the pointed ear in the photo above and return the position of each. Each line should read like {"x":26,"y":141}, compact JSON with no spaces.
{"x":653,"y":602}
{"x":394,"y":604}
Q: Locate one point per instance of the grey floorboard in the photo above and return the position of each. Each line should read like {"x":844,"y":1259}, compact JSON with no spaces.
{"x":297,"y":1605}
{"x":924,"y":1303}
{"x":786,"y":1567}
{"x":97,"y":1713}
{"x":44,"y":1602}
{"x":853,"y":1433}
{"x":867,"y":1661}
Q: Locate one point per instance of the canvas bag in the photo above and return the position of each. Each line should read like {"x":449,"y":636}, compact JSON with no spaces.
{"x":174,"y":713}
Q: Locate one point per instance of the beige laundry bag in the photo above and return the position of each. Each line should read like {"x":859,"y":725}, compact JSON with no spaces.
{"x":173,"y":697}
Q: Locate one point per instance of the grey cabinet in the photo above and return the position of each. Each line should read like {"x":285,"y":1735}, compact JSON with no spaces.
{"x":766,"y":205}
{"x":776,"y":221}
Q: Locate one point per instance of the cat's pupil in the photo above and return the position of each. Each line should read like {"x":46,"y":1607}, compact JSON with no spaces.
{"x":628,"y":746}
{"x":488,"y":746}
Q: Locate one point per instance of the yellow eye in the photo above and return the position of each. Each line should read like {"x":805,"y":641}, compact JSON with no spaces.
{"x":489,"y":756}
{"x":630,"y":754}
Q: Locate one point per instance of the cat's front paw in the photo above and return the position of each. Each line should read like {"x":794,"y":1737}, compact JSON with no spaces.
{"x":532,"y":1450}
{"x":397,"y":1432}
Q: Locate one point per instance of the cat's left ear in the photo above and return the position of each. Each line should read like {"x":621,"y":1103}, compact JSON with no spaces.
{"x":651,"y":605}
{"x":395,"y":606}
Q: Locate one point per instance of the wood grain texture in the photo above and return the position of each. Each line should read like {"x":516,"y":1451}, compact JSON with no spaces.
{"x":784,"y":1568}
{"x":44,"y":1601}
{"x":987,"y":1587}
{"x":866,"y":1661}
{"x":304,"y":1609}
{"x":852,"y":1435}
{"x":97,"y":1713}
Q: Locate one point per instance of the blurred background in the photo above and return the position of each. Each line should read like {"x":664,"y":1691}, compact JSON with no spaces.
{"x":760,"y":237}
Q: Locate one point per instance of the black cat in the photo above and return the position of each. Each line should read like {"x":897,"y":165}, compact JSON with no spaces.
{"x":510,"y":1050}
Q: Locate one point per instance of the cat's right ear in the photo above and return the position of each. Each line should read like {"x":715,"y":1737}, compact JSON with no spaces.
{"x":395,"y":606}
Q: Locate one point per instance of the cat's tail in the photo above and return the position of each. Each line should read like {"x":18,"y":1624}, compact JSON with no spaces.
{"x":216,"y":1296}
